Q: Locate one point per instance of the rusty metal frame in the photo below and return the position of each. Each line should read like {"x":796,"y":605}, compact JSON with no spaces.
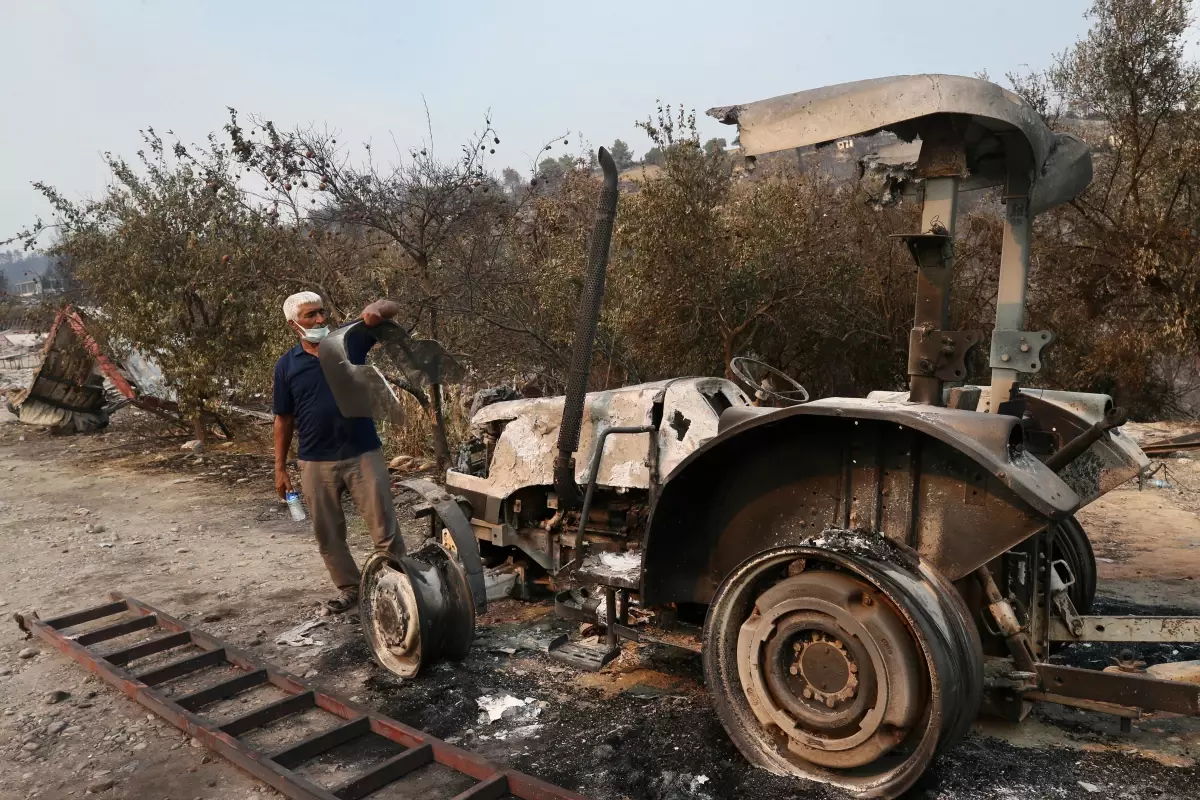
{"x":1129,"y":629}
{"x":274,"y":769}
{"x":1126,"y":689}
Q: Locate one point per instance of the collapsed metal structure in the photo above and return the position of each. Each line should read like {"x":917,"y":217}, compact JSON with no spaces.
{"x":67,"y":391}
{"x":871,"y":573}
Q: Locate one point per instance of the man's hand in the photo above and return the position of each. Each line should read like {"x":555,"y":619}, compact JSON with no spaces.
{"x":283,"y":484}
{"x":378,"y":311}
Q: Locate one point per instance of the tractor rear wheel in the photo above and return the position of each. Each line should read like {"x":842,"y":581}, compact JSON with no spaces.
{"x":841,"y":667}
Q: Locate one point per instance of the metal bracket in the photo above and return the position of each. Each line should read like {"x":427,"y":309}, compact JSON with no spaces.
{"x":940,"y":354}
{"x":929,"y":250}
{"x":1019,"y":350}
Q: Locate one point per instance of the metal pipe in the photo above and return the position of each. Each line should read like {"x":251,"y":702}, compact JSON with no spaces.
{"x":610,"y":609}
{"x":597,"y":455}
{"x":1006,"y":618}
{"x":1113,"y":418}
{"x":585,"y":336}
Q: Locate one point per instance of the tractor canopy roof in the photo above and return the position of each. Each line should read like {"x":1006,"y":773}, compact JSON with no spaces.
{"x":986,"y":116}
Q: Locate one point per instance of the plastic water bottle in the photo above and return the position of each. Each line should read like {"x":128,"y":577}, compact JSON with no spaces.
{"x":295,"y":507}
{"x":1159,"y":483}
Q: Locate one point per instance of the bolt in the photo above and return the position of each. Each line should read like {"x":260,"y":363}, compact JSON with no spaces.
{"x":829,"y":702}
{"x":1024,"y":347}
{"x":853,"y":667}
{"x":808,"y":693}
{"x":838,"y":644}
{"x":794,"y":670}
{"x":868,"y":600}
{"x":796,"y":647}
{"x":1005,"y":357}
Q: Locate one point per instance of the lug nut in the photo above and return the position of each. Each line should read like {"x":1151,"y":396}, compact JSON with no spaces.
{"x":808,"y":693}
{"x":829,"y":702}
{"x":794,"y":670}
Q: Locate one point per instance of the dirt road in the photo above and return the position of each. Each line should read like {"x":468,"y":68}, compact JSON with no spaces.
{"x":203,"y":537}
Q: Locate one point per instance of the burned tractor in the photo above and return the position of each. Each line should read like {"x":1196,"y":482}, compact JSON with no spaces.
{"x":862,"y":576}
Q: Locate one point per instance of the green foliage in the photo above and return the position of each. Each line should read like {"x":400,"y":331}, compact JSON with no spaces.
{"x":1120,"y":274}
{"x":181,"y":267}
{"x":622,"y":155}
{"x":512,"y":181}
{"x":551,"y":171}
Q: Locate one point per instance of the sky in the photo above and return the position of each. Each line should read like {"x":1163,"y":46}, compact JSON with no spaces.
{"x":81,"y":77}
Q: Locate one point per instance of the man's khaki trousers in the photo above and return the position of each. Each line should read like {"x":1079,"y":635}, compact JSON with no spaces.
{"x":366,"y":477}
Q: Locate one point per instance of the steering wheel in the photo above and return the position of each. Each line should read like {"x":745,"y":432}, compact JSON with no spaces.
{"x":741,"y":367}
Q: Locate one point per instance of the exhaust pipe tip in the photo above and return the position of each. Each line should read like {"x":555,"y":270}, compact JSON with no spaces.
{"x":609,"y":168}
{"x":585,"y":336}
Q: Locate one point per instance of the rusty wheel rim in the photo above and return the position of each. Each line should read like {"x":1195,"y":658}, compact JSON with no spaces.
{"x":844,"y":636}
{"x":915,"y":657}
{"x":390,"y":616}
{"x":416,"y":609}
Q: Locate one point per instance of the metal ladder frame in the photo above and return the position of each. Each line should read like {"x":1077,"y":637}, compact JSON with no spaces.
{"x":275,"y":769}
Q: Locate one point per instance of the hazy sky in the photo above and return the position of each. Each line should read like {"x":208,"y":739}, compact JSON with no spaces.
{"x":81,"y":77}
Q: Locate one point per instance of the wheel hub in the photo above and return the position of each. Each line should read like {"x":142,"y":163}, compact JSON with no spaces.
{"x":828,"y":671}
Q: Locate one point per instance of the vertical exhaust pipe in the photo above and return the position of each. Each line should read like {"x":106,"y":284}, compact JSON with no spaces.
{"x":569,"y":495}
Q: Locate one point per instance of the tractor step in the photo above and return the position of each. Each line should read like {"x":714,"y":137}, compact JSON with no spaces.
{"x":590,"y":657}
{"x":195,"y":652}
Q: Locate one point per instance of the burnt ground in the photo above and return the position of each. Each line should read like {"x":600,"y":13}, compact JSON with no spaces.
{"x":203,"y":537}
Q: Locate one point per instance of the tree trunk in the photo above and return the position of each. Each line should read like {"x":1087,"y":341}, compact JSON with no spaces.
{"x":441,"y":442}
{"x":199,"y":429}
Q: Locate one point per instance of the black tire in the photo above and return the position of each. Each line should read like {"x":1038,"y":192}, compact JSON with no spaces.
{"x":928,"y":637}
{"x":1071,"y":544}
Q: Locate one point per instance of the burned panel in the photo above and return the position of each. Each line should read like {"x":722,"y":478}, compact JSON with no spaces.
{"x":776,"y":482}
{"x":1061,"y":416}
{"x":963,"y":515}
{"x":524,"y":451}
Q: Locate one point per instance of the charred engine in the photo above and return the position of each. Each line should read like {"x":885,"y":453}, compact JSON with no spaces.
{"x":630,"y":439}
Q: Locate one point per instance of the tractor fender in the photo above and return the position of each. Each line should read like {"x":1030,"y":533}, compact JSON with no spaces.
{"x":451,"y":514}
{"x":956,"y":486}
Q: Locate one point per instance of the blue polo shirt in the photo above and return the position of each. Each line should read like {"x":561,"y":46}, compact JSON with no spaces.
{"x":302,"y":391}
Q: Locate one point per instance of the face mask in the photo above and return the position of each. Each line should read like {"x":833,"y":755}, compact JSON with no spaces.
{"x":315,"y":335}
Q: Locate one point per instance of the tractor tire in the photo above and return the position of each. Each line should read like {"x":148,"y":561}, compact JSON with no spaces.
{"x":1072,"y":545}
{"x":840,"y":667}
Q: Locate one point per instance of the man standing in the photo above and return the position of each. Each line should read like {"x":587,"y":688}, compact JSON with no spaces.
{"x":336,"y":453}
